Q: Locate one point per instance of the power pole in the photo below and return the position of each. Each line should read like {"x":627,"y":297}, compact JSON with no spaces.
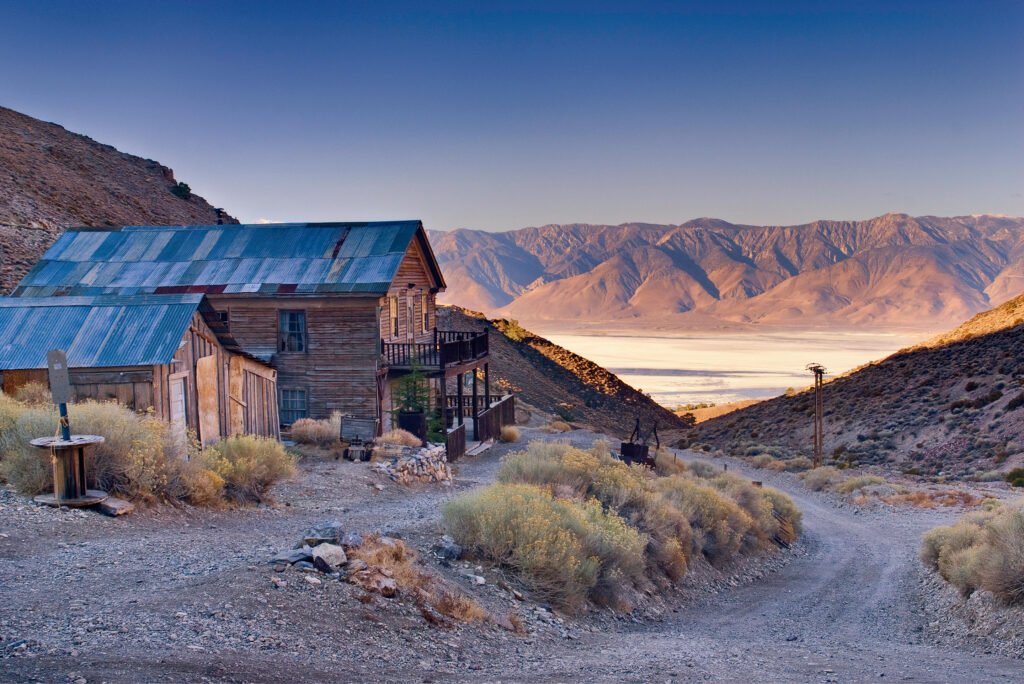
{"x":819,"y":420}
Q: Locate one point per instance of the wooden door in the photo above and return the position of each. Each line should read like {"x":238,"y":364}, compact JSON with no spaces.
{"x":208,"y":389}
{"x":176,"y":387}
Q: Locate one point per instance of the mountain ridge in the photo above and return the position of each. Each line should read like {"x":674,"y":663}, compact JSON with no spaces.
{"x":863,"y":273}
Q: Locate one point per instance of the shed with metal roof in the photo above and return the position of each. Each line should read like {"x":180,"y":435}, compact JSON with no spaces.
{"x":146,"y":352}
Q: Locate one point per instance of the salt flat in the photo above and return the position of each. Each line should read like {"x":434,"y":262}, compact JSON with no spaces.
{"x":724,"y":367}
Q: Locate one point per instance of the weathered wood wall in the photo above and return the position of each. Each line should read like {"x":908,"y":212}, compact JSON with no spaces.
{"x":413,"y":269}
{"x":338,"y":369}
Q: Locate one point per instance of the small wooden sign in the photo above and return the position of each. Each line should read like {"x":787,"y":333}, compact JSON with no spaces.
{"x":60,"y":381}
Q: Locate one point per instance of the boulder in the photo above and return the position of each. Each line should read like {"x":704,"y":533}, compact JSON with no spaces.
{"x":293,"y":556}
{"x":447,"y":549}
{"x":352,"y":540}
{"x":325,"y":532}
{"x":332,"y":554}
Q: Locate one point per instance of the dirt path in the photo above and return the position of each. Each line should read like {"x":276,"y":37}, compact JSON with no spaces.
{"x":173,"y":596}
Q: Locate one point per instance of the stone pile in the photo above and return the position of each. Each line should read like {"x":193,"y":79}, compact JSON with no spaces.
{"x":428,"y":464}
{"x":324,"y":549}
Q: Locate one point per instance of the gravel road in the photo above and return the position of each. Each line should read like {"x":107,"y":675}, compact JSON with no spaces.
{"x":171,"y":595}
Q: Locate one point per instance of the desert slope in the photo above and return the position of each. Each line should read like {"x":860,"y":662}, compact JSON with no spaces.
{"x":892,"y":271}
{"x":51,"y":178}
{"x":953,"y":406}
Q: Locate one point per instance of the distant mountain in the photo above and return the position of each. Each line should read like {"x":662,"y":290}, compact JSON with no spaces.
{"x":954,"y":405}
{"x":51,"y":178}
{"x":895,"y":270}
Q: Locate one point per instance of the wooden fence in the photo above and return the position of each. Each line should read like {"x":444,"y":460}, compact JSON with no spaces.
{"x":489,"y":422}
{"x":455,"y":443}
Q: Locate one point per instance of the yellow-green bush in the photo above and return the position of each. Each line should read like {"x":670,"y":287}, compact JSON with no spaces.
{"x":318,"y":432}
{"x":139,"y":457}
{"x":566,"y":550}
{"x":857,"y":483}
{"x":984,"y":550}
{"x":399,"y":437}
{"x":820,"y":478}
{"x":248,"y":465}
{"x":679,"y":516}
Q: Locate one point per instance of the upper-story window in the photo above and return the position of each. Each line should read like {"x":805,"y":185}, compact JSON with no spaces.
{"x":292,"y":332}
{"x":393,"y":313}
{"x":424,"y":312}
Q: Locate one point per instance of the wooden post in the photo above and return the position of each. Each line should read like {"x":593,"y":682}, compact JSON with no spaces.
{"x":487,"y":384}
{"x":476,"y":410}
{"x":444,"y":402}
{"x":459,"y":396}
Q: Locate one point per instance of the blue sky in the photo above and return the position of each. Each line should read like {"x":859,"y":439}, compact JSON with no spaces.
{"x":501,"y":115}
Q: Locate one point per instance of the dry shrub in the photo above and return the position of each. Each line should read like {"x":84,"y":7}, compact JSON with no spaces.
{"x":201,"y":486}
{"x":820,"y":478}
{"x":679,"y":515}
{"x":399,"y":437}
{"x":34,"y":393}
{"x":558,"y":426}
{"x":932,"y":499}
{"x":509,"y":433}
{"x":703,"y":469}
{"x":400,"y":563}
{"x":249,"y":465}
{"x":667,"y":463}
{"x":564,"y":550}
{"x":762,"y":461}
{"x":24,"y":466}
{"x":798,"y":464}
{"x":853,"y":484}
{"x":984,"y":550}
{"x":318,"y":432}
{"x":776,"y":466}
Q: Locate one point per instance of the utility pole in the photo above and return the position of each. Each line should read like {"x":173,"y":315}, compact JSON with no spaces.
{"x":819,"y":420}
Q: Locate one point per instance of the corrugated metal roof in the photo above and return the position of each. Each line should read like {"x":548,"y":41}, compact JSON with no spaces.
{"x":95,"y":332}
{"x":313,"y":257}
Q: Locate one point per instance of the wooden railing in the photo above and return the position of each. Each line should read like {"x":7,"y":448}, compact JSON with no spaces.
{"x":489,"y":423}
{"x":449,"y":348}
{"x":455,"y":443}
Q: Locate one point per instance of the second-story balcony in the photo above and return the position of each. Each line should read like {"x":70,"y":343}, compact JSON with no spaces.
{"x":448,"y":349}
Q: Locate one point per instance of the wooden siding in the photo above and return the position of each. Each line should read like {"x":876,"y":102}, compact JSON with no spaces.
{"x":338,"y":369}
{"x":413,"y":269}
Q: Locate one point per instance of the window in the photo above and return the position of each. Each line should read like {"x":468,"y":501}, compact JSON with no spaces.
{"x":292,"y":331}
{"x":424,"y":312}
{"x":293,"y":405}
{"x":393,"y":312}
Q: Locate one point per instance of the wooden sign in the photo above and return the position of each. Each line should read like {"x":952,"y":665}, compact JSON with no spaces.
{"x":60,"y":381}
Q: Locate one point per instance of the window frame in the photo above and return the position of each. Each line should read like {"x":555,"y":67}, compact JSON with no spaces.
{"x":296,"y":411}
{"x":286,"y":336}
{"x":393,"y":305}
{"x":425,"y":314}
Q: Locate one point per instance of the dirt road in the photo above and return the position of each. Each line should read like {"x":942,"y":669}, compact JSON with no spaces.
{"x":169,"y":596}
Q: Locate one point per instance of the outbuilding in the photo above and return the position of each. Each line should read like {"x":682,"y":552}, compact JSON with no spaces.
{"x":168,"y":353}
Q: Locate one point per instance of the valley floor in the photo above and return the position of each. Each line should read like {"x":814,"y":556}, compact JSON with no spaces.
{"x":169,"y":595}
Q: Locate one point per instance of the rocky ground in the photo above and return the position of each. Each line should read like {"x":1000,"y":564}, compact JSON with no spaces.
{"x":187,"y":595}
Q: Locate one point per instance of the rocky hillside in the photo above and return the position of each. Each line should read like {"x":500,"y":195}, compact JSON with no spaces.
{"x":561,"y":383}
{"x":953,"y":406}
{"x":894,"y":270}
{"x":51,"y":178}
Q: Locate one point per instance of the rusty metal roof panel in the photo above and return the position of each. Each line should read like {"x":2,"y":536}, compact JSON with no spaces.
{"x":96,"y":332}
{"x":343,"y":257}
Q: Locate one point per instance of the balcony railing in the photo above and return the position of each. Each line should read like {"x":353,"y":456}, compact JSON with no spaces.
{"x":449,"y":348}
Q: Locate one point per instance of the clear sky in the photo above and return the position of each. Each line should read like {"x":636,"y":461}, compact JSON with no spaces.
{"x":500,"y":115}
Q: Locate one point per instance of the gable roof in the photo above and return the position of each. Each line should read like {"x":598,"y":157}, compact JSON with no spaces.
{"x":302,"y":258}
{"x":96,"y":332}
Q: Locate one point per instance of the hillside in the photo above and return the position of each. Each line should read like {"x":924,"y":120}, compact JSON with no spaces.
{"x":891,"y":271}
{"x":954,"y":406}
{"x":559,"y":382}
{"x":51,"y":178}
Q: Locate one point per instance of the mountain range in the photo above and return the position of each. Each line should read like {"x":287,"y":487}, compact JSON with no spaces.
{"x":925,"y":273}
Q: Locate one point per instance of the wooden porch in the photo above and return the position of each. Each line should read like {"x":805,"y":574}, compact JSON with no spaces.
{"x":449,"y":353}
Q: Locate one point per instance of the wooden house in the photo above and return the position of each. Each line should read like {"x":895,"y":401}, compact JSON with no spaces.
{"x":339,"y":310}
{"x":168,"y":353}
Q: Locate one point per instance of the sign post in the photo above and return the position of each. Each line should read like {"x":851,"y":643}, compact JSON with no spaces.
{"x":60,"y":388}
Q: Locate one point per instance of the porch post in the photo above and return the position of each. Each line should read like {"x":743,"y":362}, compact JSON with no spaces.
{"x":444,"y":403}
{"x":476,"y":410}
{"x":459,"y":395}
{"x":487,"y":384}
